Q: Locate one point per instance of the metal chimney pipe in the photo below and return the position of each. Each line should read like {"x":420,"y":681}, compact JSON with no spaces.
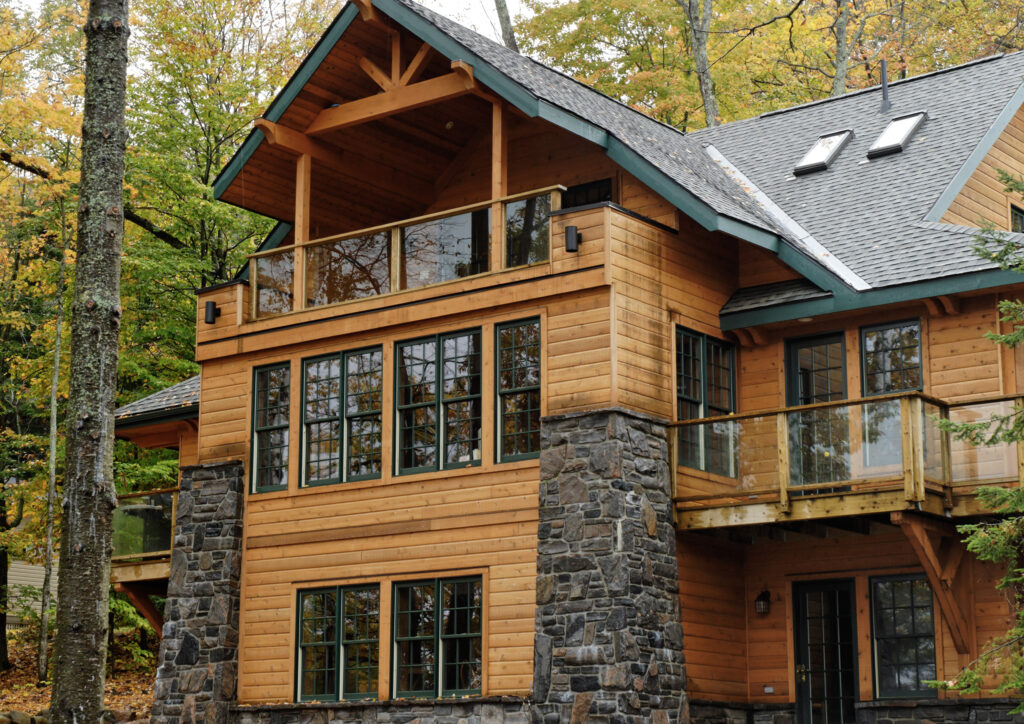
{"x":885,"y":88}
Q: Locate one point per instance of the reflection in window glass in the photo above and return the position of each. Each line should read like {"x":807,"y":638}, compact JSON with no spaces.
{"x":904,"y":636}
{"x":892,"y":357}
{"x":274,"y":275}
{"x":270,"y":439}
{"x":348,"y":269}
{"x":705,"y":387}
{"x":526,"y":231}
{"x":445,"y":249}
{"x":324,"y":629}
{"x":518,"y":389}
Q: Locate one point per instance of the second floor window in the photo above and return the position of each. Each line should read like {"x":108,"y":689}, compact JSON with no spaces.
{"x":1016,"y":219}
{"x":270,"y":427}
{"x":343,"y":396}
{"x":891,"y":356}
{"x":705,"y":387}
{"x":438,"y":396}
{"x":518,"y":389}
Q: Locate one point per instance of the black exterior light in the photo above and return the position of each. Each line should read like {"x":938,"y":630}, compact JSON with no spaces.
{"x":763,"y":603}
{"x":212,"y":312}
{"x":572,"y":238}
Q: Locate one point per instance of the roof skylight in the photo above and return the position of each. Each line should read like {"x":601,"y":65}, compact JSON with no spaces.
{"x":823,"y":152}
{"x":896,"y":135}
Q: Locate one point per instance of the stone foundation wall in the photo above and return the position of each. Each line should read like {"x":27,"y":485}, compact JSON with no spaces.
{"x":198,"y":662}
{"x":938,"y":711}
{"x":608,"y":645}
{"x":487,"y":710}
{"x":715,"y":712}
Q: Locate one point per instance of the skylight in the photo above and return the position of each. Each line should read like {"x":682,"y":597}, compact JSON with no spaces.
{"x":822,"y":153}
{"x":896,"y":135}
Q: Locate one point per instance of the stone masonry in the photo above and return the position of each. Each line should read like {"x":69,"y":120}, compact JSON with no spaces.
{"x":198,"y":664}
{"x":485,"y":710}
{"x":608,"y":644}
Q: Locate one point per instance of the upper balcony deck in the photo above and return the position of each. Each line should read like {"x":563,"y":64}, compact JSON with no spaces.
{"x":850,"y":457}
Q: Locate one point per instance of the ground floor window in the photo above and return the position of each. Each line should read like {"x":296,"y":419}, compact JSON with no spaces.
{"x":339,"y":643}
{"x":903,"y":629}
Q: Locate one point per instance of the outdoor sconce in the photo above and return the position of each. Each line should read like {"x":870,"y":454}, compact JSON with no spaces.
{"x":572,"y":238}
{"x":763,"y":603}
{"x":212,"y":312}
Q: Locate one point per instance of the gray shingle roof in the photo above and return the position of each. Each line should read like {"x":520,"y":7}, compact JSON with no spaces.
{"x":767,"y":295}
{"x":172,"y":401}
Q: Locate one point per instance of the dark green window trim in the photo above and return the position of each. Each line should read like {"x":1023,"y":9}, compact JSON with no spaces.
{"x":263,"y":384}
{"x":421,"y":641}
{"x":901,"y":371}
{"x":1016,"y":219}
{"x":347,"y":645}
{"x":591,"y":192}
{"x":438,"y":405}
{"x":705,"y":369}
{"x":920,"y":641}
{"x":517,"y":387}
{"x":355,"y":406}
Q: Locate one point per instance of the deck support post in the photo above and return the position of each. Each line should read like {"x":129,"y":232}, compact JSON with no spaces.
{"x":303,"y":178}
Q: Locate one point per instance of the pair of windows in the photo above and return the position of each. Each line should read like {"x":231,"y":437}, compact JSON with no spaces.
{"x":438,"y":408}
{"x":436,"y":640}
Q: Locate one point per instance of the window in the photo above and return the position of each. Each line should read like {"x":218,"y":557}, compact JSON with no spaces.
{"x":270,"y":428}
{"x":592,"y":192}
{"x":444,"y":249}
{"x":527,"y":240}
{"x":1017,"y":219}
{"x":896,"y":135}
{"x":822,"y":153}
{"x":518,"y":390}
{"x":904,"y":636}
{"x":438,"y":638}
{"x":438,"y":400}
{"x":339,"y":639}
{"x":891,"y":357}
{"x":342,"y":400}
{"x":705,"y":387}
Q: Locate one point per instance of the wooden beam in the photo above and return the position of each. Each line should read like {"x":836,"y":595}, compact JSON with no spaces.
{"x":416,"y":66}
{"x":913,"y":527}
{"x":405,"y":98}
{"x":369,"y":14}
{"x":303,"y":180}
{"x":396,"y":58}
{"x":376,"y":74}
{"x":143,"y":604}
{"x":499,"y":184}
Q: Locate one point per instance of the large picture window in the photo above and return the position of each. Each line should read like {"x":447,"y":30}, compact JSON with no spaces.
{"x":518,"y":371}
{"x":438,"y":637}
{"x":271,"y":393}
{"x":438,"y":400}
{"x":903,"y":626}
{"x":339,"y":643}
{"x":705,"y":387}
{"x":343,"y":396}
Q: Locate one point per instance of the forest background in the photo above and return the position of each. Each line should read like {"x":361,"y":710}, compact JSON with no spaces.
{"x":202,"y":70}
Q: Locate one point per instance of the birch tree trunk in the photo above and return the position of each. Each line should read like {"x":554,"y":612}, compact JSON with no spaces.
{"x":698,"y":24}
{"x":842,"y":49}
{"x":89,"y":498}
{"x":508,"y":35}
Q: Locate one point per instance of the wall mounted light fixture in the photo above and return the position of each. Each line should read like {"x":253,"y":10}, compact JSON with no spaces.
{"x":763,"y":603}
{"x":572,"y":238}
{"x":212,"y":312}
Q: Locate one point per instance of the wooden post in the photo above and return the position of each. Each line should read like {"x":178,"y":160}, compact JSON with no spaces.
{"x":908,"y":448}
{"x":1020,"y":449}
{"x":384,"y":677}
{"x":303,"y":169}
{"x":396,"y":258}
{"x":673,"y":459}
{"x":254,"y":289}
{"x":947,"y":460}
{"x":499,"y":186}
{"x":782,"y":427}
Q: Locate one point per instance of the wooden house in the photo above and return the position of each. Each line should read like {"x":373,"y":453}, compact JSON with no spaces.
{"x":533,"y":408}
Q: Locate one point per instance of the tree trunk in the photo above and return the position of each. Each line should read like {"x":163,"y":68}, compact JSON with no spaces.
{"x":89,"y":497}
{"x":842,"y":49}
{"x":51,"y":483}
{"x":5,"y":657}
{"x":699,"y":26}
{"x":508,"y":36}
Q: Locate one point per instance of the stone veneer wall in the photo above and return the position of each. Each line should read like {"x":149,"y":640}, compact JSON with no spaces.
{"x":198,"y":663}
{"x":608,"y":644}
{"x":487,"y":710}
{"x":938,"y":711}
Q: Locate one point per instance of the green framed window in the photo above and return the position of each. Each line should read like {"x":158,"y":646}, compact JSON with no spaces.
{"x":592,"y":192}
{"x":271,"y":400}
{"x":705,"y":387}
{"x":891,"y":357}
{"x":438,"y":637}
{"x":438,"y":402}
{"x":339,"y":643}
{"x":1016,"y":219}
{"x":518,"y":386}
{"x":903,"y":633}
{"x":341,"y":416}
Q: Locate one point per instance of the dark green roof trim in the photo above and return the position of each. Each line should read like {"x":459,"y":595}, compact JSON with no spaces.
{"x":272,"y":241}
{"x":154,"y":417}
{"x":234,"y":167}
{"x":873,"y":298}
{"x":811,"y":270}
{"x":977,"y":155}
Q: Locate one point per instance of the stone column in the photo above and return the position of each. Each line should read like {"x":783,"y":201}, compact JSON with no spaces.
{"x":198,"y":664}
{"x":608,"y":644}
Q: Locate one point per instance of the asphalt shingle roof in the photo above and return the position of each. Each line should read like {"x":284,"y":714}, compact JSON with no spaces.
{"x":176,"y":398}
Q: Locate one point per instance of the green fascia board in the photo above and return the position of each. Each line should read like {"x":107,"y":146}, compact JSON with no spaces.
{"x":272,"y":241}
{"x":153,"y":417}
{"x":237,"y":162}
{"x":849,"y":301}
{"x":977,"y":155}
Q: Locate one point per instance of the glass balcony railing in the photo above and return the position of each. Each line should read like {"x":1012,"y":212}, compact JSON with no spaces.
{"x":414,"y":253}
{"x":891,"y":442}
{"x":144,"y":524}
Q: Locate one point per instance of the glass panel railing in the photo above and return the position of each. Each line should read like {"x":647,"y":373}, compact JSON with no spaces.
{"x":728,"y":458}
{"x":143,"y":524}
{"x":346,"y":269}
{"x":273,"y":276}
{"x":441,"y":250}
{"x":981,"y":463}
{"x":936,"y":444}
{"x":527,"y":230}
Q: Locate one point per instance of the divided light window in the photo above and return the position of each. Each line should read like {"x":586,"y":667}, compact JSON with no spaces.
{"x":438,"y":401}
{"x":903,"y":629}
{"x":438,"y":638}
{"x":1017,"y":219}
{"x":705,"y":387}
{"x":341,"y":416}
{"x":339,"y":643}
{"x":270,"y":427}
{"x":891,"y":357}
{"x":592,"y":192}
{"x":518,"y":390}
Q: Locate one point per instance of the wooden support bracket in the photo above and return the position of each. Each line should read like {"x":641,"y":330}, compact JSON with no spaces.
{"x":138,"y":597}
{"x":376,"y":74}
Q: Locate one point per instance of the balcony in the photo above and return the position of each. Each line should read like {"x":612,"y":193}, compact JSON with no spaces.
{"x":143,"y":535}
{"x":850,"y":457}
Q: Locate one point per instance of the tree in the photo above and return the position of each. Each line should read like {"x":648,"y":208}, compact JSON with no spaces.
{"x":89,"y":496}
{"x":508,"y":36}
{"x":698,"y":25}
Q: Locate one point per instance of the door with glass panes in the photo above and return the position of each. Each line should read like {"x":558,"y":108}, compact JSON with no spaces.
{"x":825,"y":626}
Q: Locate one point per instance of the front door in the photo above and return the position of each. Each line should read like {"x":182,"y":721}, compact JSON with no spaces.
{"x":826,"y":652}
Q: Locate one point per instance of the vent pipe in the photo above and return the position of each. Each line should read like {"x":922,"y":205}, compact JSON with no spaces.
{"x":885,"y":88}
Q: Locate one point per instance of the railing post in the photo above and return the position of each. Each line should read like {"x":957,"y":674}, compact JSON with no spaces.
{"x":782,"y":429}
{"x":303,"y":177}
{"x":396,"y":258}
{"x":917,"y":419}
{"x":907,"y":440}
{"x":254,"y":288}
{"x":1020,"y":448}
{"x":174,"y":515}
{"x":947,"y":453}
